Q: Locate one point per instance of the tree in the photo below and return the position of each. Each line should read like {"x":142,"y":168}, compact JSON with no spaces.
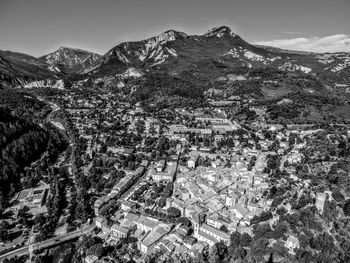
{"x":239,"y":252}
{"x":264,"y":216}
{"x":184,"y":220}
{"x":339,"y":197}
{"x":262,"y":230}
{"x":281,"y":211}
{"x":235,"y":239}
{"x":218,"y":252}
{"x":346,"y":208}
{"x":260,"y":246}
{"x":3,"y":231}
{"x":162,"y":202}
{"x":43,"y":259}
{"x":174,"y":212}
{"x":97,"y":250}
{"x":23,"y":212}
{"x":279,"y":230}
{"x":39,"y":219}
{"x":224,"y":229}
{"x":149,"y":202}
{"x":246,"y":239}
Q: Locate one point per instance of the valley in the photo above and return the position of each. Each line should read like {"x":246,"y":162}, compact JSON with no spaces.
{"x":177,"y":148}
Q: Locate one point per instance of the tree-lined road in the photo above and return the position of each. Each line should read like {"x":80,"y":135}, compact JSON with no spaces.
{"x":48,"y":243}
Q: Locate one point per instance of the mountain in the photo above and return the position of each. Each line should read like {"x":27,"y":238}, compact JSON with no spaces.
{"x":21,"y":69}
{"x":69,"y":59}
{"x":211,"y":55}
{"x":215,"y":52}
{"x":18,"y":68}
{"x":173,"y":51}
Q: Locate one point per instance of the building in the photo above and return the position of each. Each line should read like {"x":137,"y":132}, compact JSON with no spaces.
{"x":222,"y":127}
{"x":128,"y":151}
{"x":36,"y":196}
{"x":214,"y":222}
{"x":166,"y":175}
{"x":215,"y":233}
{"x":91,"y":259}
{"x":22,"y":196}
{"x":202,"y":236}
{"x":192,"y":162}
{"x":160,"y":165}
{"x":189,"y":241}
{"x":183,"y":129}
{"x":239,"y":210}
{"x":119,"y":231}
{"x":98,"y":203}
{"x":106,"y":229}
{"x":212,"y":120}
{"x":162,"y":176}
{"x":100,"y":221}
{"x":129,"y":220}
{"x":166,"y":246}
{"x":211,"y":235}
{"x":230,"y":200}
{"x":179,"y":204}
{"x":152,"y":237}
{"x":145,"y":223}
{"x":145,"y":163}
{"x":127,"y":205}
{"x":320,"y":201}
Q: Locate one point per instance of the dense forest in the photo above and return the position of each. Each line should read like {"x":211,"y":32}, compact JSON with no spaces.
{"x":21,"y":143}
{"x":23,"y":104}
{"x":23,"y":140}
{"x":165,"y":90}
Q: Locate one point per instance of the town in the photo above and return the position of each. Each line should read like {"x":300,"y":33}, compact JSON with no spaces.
{"x":169,"y":185}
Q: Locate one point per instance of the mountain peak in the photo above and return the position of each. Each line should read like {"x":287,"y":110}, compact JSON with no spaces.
{"x":219,"y":31}
{"x":70,"y":58}
{"x":64,"y":48}
{"x":70,"y":49}
{"x":171,"y":35}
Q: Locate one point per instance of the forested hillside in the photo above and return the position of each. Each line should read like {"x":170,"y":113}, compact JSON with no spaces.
{"x":23,"y":141}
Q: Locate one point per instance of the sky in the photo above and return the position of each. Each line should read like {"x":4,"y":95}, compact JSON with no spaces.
{"x":38,"y":27}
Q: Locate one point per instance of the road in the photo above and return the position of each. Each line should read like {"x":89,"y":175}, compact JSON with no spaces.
{"x":55,"y":108}
{"x":48,"y":243}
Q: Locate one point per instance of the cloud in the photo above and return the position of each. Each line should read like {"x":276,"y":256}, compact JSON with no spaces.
{"x":333,"y":43}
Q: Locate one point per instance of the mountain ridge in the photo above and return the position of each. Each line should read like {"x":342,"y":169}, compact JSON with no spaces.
{"x":211,"y":53}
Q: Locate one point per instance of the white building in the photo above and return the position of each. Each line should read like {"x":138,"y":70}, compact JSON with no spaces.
{"x":192,"y":162}
{"x":119,"y":231}
{"x":320,"y":201}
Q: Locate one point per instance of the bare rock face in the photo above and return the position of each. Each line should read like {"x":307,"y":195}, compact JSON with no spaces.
{"x":69,"y":59}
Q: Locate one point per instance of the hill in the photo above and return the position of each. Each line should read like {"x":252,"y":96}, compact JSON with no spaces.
{"x":69,"y":60}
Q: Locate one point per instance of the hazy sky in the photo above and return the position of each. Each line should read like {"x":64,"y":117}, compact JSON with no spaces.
{"x":37,"y":27}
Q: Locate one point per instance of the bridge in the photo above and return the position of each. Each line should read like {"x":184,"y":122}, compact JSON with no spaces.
{"x":52,"y":242}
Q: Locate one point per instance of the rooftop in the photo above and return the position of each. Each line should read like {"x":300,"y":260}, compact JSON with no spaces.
{"x":215,"y":231}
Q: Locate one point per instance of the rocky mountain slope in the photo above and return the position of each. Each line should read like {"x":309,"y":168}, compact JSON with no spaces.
{"x":18,"y":69}
{"x":69,"y":59}
{"x":21,"y":69}
{"x":211,"y":55}
{"x":215,"y":52}
{"x":175,"y":51}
